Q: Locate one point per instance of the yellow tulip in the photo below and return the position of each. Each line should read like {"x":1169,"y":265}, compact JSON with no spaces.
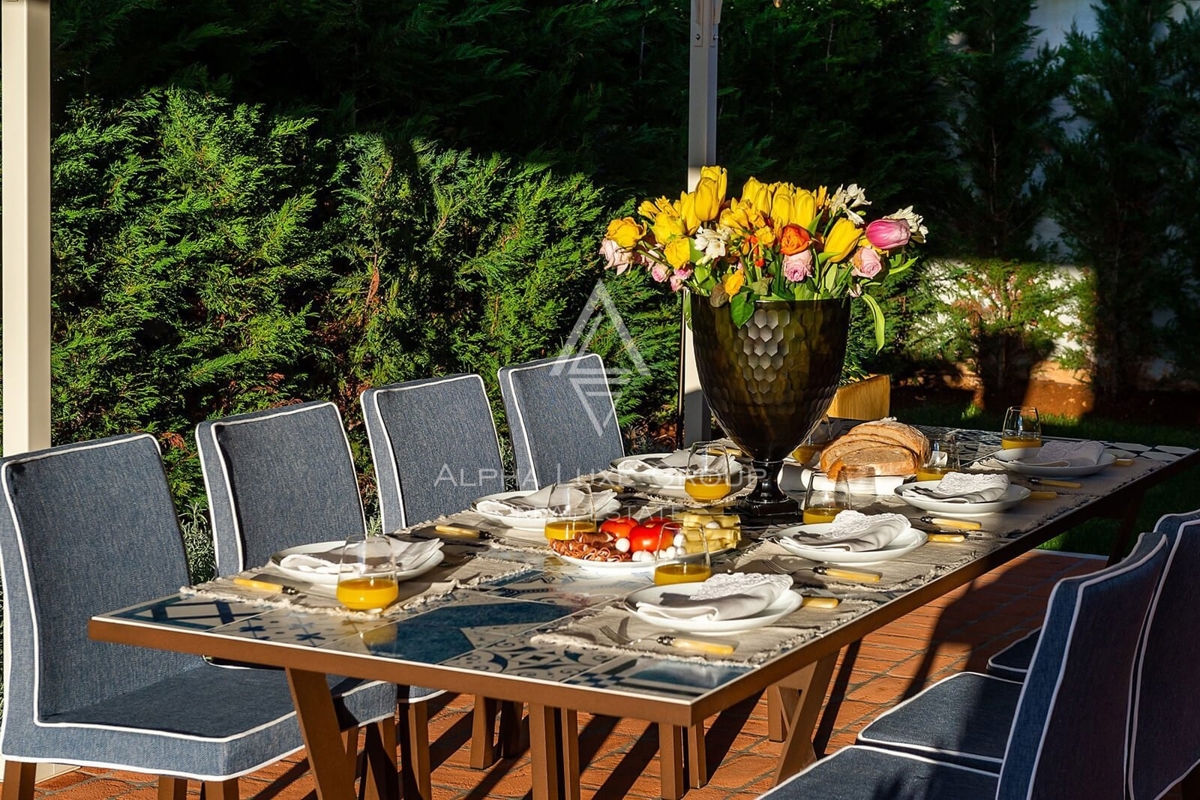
{"x":842,"y":240}
{"x":804,"y":208}
{"x":720,"y":176}
{"x":756,"y":195}
{"x":765,"y":236}
{"x":734,"y":282}
{"x":782,"y":212}
{"x":668,"y":226}
{"x":687,"y":212}
{"x":822,"y":198}
{"x":707,"y":200}
{"x":678,"y":252}
{"x":625,"y":232}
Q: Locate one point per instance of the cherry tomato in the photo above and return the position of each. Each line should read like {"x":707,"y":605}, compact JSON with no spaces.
{"x":619,"y":526}
{"x":648,"y":535}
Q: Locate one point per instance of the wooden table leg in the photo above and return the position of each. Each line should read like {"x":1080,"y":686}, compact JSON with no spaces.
{"x":670,"y":760}
{"x":382,"y":773}
{"x":483,"y":727}
{"x":569,"y":722}
{"x":19,"y":777}
{"x":781,"y":704}
{"x":1125,"y":532}
{"x":798,"y":748}
{"x":543,"y":752}
{"x":414,"y":748}
{"x":697,"y":758}
{"x":332,"y":771}
{"x":510,"y":729}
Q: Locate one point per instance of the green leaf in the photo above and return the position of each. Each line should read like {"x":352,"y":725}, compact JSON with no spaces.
{"x":877,"y":315}
{"x":741,"y":306}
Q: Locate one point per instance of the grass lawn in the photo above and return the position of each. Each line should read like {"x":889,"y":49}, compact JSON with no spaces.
{"x":1181,"y":493}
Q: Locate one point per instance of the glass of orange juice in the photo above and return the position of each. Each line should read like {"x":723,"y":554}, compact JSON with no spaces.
{"x":943,"y":458}
{"x":685,"y":556}
{"x":1022,"y":428}
{"x":825,"y":499}
{"x":571,"y":512}
{"x":367,"y":574}
{"x":708,"y":472}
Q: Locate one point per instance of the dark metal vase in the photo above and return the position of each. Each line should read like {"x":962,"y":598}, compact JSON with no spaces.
{"x":769,"y":381}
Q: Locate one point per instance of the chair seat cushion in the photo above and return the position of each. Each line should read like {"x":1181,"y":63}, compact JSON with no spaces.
{"x":865,"y":773}
{"x":207,"y":722}
{"x":964,"y":719}
{"x":1012,"y":663}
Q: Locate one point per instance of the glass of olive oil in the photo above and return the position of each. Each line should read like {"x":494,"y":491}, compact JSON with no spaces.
{"x":709,"y":472}
{"x":367,"y":574}
{"x":1022,"y":428}
{"x":825,"y":499}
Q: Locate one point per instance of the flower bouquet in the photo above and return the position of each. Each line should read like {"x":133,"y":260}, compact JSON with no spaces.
{"x":775,"y":242}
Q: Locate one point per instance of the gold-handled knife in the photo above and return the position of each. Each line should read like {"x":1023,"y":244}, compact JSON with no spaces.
{"x":695,"y":645}
{"x":265,"y":586}
{"x":848,"y":573}
{"x":1055,"y":482}
{"x":955,"y":524}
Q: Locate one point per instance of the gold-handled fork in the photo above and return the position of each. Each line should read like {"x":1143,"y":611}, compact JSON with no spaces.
{"x":667,"y":640}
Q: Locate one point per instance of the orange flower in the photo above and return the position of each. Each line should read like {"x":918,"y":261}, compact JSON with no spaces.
{"x":793,"y":239}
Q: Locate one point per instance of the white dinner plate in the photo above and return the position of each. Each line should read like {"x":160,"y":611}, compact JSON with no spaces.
{"x":1013,"y":496}
{"x":535,"y":523}
{"x":1011,"y":460}
{"x":614,"y":567}
{"x":667,"y":481}
{"x":434,"y":558}
{"x":906,"y":542}
{"x":788,"y":602}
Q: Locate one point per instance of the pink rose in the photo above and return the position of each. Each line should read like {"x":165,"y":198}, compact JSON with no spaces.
{"x":615,"y":255}
{"x":679,"y":277}
{"x":867,"y":263}
{"x":798,"y":266}
{"x":888,"y":234}
{"x":658,"y":272}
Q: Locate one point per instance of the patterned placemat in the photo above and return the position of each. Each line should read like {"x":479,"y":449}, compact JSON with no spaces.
{"x":458,"y":570}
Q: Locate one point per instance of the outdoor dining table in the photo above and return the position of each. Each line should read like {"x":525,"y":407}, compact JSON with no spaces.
{"x":524,"y":633}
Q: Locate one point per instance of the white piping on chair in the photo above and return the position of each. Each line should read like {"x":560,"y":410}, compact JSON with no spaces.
{"x":991,"y":662}
{"x":283,"y":412}
{"x":892,"y":753}
{"x":1131,"y":750}
{"x":863,"y":737}
{"x":387,"y":434}
{"x":1062,"y":668}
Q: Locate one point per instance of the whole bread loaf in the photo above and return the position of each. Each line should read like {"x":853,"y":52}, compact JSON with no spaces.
{"x":890,"y":447}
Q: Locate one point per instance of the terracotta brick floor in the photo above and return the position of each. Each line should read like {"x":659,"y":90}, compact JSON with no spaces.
{"x":958,"y":632}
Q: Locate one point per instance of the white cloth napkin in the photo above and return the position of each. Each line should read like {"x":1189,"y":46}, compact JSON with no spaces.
{"x":537,"y":505}
{"x":959,"y":487}
{"x":732,"y":595}
{"x":855,"y":532}
{"x":1066,"y":454}
{"x":329,"y":562}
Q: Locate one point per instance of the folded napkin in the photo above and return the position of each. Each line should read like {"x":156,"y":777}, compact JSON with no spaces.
{"x":855,"y":532}
{"x":732,"y":595}
{"x":959,"y":487}
{"x":537,"y":505}
{"x":329,"y":562}
{"x":671,"y":463}
{"x":1066,"y":454}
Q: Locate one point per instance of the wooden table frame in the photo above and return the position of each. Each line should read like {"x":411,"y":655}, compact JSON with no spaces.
{"x":797,"y":679}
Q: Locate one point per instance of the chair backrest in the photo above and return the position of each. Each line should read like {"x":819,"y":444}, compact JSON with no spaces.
{"x":562,"y":418}
{"x":1070,"y":734}
{"x":278,"y":479}
{"x":85,"y":529}
{"x":1165,"y":728}
{"x":434,"y":446}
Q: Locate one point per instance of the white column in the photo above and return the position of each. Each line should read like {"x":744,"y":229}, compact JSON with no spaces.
{"x":25,"y":66}
{"x":702,"y":151}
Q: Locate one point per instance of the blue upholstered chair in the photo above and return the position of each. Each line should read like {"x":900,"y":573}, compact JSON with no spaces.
{"x":562,"y":418}
{"x":286,"y":477}
{"x":434,"y":446}
{"x":1013,"y":661}
{"x":89,"y":528}
{"x":1065,"y":736}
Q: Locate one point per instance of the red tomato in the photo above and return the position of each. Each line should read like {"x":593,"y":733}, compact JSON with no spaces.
{"x":619,"y":526}
{"x":648,"y":535}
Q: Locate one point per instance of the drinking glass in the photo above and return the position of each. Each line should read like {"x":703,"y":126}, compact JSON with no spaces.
{"x":572,"y":511}
{"x":943,"y":458}
{"x":1022,"y":428}
{"x":814,"y":443}
{"x":860,"y":484}
{"x":686,"y":555}
{"x":822,"y":505}
{"x":367,"y":574}
{"x":708,"y":472}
